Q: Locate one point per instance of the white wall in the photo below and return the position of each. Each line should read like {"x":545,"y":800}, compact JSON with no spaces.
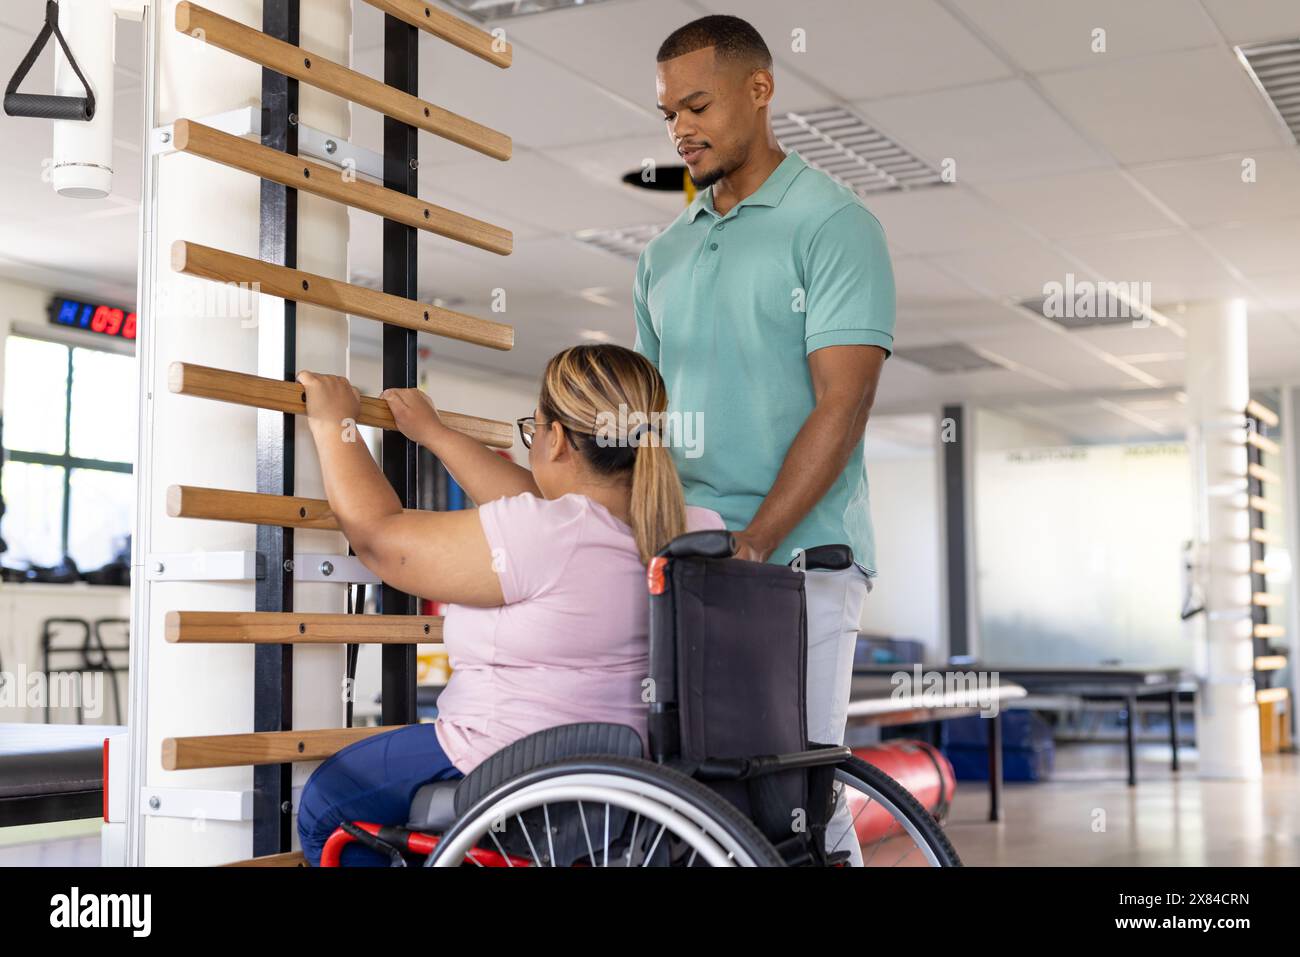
{"x":906,"y":601}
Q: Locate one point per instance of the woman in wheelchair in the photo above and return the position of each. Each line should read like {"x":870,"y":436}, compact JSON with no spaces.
{"x":545,"y":580}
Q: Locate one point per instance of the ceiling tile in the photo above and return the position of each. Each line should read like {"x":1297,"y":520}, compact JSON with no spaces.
{"x":871,"y":48}
{"x":994,"y":131}
{"x":1057,"y":34}
{"x":1213,"y":191}
{"x":1090,"y":203}
{"x":1254,"y":21}
{"x":1167,"y":106}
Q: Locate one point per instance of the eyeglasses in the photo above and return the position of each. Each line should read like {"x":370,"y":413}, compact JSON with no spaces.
{"x":528,"y":428}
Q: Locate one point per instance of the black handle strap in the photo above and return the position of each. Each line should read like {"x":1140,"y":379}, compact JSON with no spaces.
{"x":44,"y":105}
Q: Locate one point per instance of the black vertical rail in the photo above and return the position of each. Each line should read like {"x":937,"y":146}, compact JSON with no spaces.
{"x":401,"y":157}
{"x":278,"y":243}
{"x":1258,"y":582}
{"x":954,"y":497}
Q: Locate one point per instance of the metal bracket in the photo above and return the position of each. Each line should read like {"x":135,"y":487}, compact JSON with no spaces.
{"x":332,"y":568}
{"x":200,"y":804}
{"x":243,"y":565}
{"x":247,"y":121}
{"x":249,"y":565}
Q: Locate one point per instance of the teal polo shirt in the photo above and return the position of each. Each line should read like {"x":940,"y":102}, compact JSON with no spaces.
{"x":730,"y":307}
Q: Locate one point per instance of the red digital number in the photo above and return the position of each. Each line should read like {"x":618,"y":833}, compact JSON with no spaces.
{"x":128,"y":326}
{"x":100,"y":319}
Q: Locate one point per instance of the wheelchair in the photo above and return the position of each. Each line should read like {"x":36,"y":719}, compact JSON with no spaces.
{"x":731,"y":778}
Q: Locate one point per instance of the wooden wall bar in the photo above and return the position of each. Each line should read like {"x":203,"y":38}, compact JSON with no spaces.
{"x":185,"y":378}
{"x":308,"y":67}
{"x":444,"y":26}
{"x":269,"y":627}
{"x":219,"y":266}
{"x":329,"y":182}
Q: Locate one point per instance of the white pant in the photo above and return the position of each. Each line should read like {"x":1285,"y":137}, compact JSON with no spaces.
{"x":834,"y":601}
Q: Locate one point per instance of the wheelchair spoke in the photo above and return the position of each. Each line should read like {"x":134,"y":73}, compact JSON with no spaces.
{"x":528,"y":837}
{"x":500,"y":850}
{"x":606,"y":864}
{"x":550,"y":843}
{"x":591,"y":851}
{"x":853,"y":823}
{"x":636,"y":822}
{"x":653,"y":847}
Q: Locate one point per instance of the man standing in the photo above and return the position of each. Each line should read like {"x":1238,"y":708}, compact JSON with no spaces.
{"x":768,"y":306}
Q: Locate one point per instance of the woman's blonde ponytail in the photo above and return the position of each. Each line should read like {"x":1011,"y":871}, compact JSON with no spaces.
{"x":588,"y":387}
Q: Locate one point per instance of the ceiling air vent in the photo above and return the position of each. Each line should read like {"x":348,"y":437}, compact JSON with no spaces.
{"x":947,"y":359}
{"x":1091,"y":305}
{"x":839,"y":144}
{"x":501,"y":9}
{"x":1275,"y":68}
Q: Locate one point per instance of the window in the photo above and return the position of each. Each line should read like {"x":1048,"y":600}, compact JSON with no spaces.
{"x":69,"y":438}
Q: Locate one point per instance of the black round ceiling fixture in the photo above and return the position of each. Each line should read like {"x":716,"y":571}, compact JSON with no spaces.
{"x":667,"y":179}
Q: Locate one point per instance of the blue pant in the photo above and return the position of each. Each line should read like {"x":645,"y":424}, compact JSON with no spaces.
{"x":370,"y":780}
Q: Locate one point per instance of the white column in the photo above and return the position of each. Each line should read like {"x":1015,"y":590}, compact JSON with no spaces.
{"x":208,"y":689}
{"x":1218,"y":388}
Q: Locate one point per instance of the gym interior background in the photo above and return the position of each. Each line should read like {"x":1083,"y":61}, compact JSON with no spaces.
{"x":1087,"y":493}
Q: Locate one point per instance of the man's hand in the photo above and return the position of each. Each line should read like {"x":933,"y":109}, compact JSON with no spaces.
{"x":750,"y":547}
{"x":330,"y":399}
{"x":414,"y":413}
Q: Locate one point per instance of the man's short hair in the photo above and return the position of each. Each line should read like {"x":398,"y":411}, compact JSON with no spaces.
{"x":733,"y":39}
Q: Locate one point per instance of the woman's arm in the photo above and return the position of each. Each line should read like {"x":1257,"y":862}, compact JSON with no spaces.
{"x":482,"y":473}
{"x":442,"y":556}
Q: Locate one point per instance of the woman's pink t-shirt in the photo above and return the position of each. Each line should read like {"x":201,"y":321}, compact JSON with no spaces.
{"x":570,"y":643}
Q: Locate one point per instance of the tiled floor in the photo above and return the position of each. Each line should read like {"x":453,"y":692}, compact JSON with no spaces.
{"x":1085,"y":816}
{"x":1088,"y":816}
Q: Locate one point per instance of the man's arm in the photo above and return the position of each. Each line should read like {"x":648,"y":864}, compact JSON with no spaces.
{"x":844,"y":385}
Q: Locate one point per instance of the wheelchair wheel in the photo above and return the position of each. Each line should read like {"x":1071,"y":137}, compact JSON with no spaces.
{"x":890,"y":825}
{"x":606,"y":811}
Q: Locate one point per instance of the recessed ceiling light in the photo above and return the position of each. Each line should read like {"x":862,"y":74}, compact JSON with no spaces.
{"x":594,"y":335}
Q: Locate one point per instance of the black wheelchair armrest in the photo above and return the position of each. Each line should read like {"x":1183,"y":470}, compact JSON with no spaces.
{"x":832,"y":558}
{"x":713,"y":543}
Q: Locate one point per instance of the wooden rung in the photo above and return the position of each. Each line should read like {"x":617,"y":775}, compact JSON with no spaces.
{"x":215,"y":264}
{"x":308,"y":67}
{"x":1263,"y":413}
{"x":256,"y":508}
{"x":275,"y":627}
{"x":259,"y":747}
{"x":1270,"y":662}
{"x":329,"y":182}
{"x":1261,"y":443}
{"x":1264,"y":537}
{"x":444,"y":26}
{"x":278,"y":395}
{"x":1263,"y":599}
{"x":1270,"y":631}
{"x":1261,"y":504}
{"x":1259,"y":567}
{"x":1257,"y":471}
{"x":1270,"y":695}
{"x":290,"y":859}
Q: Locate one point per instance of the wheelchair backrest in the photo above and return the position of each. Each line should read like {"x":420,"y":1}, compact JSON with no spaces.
{"x":728,"y":660}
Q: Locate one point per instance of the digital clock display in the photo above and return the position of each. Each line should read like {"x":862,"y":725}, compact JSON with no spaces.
{"x":104,"y":320}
